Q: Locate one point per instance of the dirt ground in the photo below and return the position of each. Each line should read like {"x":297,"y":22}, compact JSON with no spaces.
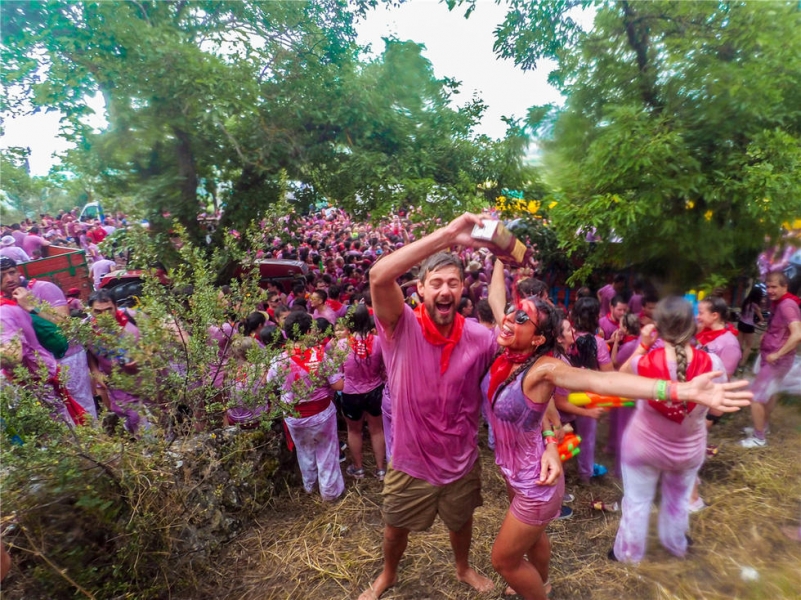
{"x":303,"y":548}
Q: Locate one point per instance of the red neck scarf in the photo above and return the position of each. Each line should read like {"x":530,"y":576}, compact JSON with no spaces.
{"x":611,"y":320}
{"x":787,"y":296}
{"x":4,"y":301}
{"x":706,"y":336}
{"x":628,"y":338}
{"x":435,"y":338}
{"x":362,"y":347}
{"x":501,"y":369}
{"x":654,"y":365}
{"x":309,"y":359}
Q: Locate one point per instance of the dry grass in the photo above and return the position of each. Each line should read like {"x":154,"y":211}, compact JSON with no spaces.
{"x":303,"y":548}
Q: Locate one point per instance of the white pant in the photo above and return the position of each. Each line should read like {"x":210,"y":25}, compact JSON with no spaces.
{"x":317,"y":445}
{"x":639,"y":490}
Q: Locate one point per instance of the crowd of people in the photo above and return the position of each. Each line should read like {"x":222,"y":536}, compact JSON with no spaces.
{"x":418,"y":336}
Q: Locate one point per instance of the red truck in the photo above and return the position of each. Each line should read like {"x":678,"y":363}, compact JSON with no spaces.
{"x":66,"y":267}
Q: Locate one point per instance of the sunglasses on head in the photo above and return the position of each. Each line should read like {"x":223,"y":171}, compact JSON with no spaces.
{"x":521,"y":316}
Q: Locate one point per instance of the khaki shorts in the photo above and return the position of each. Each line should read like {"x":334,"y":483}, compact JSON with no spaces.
{"x":411,"y":503}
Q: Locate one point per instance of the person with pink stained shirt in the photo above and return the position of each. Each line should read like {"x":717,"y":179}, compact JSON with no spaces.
{"x":363,"y":393}
{"x":776,"y":355}
{"x":75,"y":362}
{"x":519,"y":385}
{"x":308,"y":379}
{"x":318,"y":300}
{"x":435,"y":360}
{"x":610,"y":322}
{"x":589,"y":352}
{"x":33,"y":243}
{"x":9,"y":248}
{"x":716,"y":336}
{"x":664,"y":441}
{"x":609,"y":291}
{"x":624,"y":343}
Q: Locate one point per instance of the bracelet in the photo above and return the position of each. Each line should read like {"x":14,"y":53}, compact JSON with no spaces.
{"x":557,"y":427}
{"x":547,"y":433}
{"x":673,"y":389}
{"x":661,"y":390}
{"x":550,"y":440}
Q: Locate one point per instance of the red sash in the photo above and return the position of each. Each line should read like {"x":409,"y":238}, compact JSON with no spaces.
{"x":654,"y":365}
{"x":787,"y":296}
{"x":435,"y":338}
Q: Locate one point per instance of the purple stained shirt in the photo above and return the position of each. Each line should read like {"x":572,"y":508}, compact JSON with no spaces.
{"x":32,"y":244}
{"x":653,"y":440}
{"x":18,"y":255}
{"x":517,"y":423}
{"x":326,"y":313}
{"x":435,"y":416}
{"x":15,"y":322}
{"x":778,"y":331}
{"x":727,"y":348}
{"x":362,"y":375}
{"x":635,"y":304}
{"x":608,"y":326}
{"x":605,"y":295}
{"x":99,"y":269}
{"x":18,"y":237}
{"x":625,"y":351}
{"x":602,"y":348}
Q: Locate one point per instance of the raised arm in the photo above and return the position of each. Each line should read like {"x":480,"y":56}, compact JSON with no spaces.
{"x":497,"y":292}
{"x":386,"y":293}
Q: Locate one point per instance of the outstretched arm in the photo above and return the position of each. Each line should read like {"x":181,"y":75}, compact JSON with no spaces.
{"x":497,"y":292}
{"x":386,"y":293}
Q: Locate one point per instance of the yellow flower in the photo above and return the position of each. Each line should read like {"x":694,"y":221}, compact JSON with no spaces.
{"x":552,"y":204}
{"x":708,"y":215}
{"x":689,"y":204}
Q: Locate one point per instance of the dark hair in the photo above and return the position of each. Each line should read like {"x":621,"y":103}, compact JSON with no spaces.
{"x":322,"y":295}
{"x":101,"y":296}
{"x":297,"y":324}
{"x":531,"y":287}
{"x":584,"y":292}
{"x":631,"y":322}
{"x":299,"y":288}
{"x":718,"y":305}
{"x":252,"y":322}
{"x":484,"y":311}
{"x":585,"y":318}
{"x":270,"y":336}
{"x":619,"y":278}
{"x":754,"y":297}
{"x":463,"y":303}
{"x":299,"y":304}
{"x":618,"y":299}
{"x":675,"y":322}
{"x":549,"y":325}
{"x":441,"y":260}
{"x":323,"y":325}
{"x":361,"y":321}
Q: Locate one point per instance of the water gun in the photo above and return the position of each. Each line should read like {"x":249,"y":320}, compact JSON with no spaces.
{"x":588,"y":400}
{"x":569,"y":446}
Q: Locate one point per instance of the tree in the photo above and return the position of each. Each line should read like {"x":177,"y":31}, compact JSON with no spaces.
{"x":680,"y":134}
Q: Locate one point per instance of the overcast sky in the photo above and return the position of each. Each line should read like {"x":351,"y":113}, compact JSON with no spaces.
{"x":458,"y":48}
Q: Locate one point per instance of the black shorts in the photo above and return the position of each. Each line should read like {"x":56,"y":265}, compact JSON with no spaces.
{"x":745,"y":327}
{"x":353,"y":405}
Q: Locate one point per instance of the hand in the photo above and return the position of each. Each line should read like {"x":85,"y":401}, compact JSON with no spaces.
{"x":559,"y":434}
{"x":772,"y":358}
{"x":725,"y":397}
{"x":648,"y":335}
{"x":550,"y":466}
{"x":24,"y":298}
{"x":594,"y":413}
{"x":460,"y":228}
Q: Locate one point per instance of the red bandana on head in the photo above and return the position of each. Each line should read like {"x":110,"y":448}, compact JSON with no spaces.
{"x":654,"y":365}
{"x":435,"y":338}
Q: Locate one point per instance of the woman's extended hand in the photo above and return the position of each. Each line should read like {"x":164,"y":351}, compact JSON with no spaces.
{"x":726,"y":397}
{"x":551,"y":466}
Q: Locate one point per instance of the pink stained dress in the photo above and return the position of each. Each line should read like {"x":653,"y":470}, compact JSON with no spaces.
{"x":727,"y":348}
{"x":435,"y":415}
{"x":655,"y":447}
{"x":517,"y":422}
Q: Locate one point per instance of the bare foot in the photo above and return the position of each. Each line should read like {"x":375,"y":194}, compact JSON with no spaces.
{"x":509,"y":591}
{"x":476,"y":581}
{"x":382,"y":583}
{"x":794,"y":533}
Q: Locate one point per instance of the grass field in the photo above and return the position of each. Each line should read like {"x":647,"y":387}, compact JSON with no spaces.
{"x":304,"y":548}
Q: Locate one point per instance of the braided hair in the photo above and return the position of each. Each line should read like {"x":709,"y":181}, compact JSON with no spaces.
{"x":548,"y":325}
{"x":675,"y":322}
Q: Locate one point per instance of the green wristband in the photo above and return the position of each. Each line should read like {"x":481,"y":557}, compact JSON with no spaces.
{"x":661,"y":390}
{"x":547,"y":433}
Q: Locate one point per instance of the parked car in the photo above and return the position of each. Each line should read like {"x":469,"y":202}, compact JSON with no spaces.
{"x":92,"y":210}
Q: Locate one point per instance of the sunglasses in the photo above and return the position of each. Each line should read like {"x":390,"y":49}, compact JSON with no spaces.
{"x":521,"y":316}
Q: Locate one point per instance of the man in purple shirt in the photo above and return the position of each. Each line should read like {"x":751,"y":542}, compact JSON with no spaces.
{"x":776,"y":355}
{"x":435,"y":360}
{"x":33,"y":244}
{"x":609,"y":291}
{"x":9,"y":248}
{"x":610,"y":322}
{"x":17,"y":234}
